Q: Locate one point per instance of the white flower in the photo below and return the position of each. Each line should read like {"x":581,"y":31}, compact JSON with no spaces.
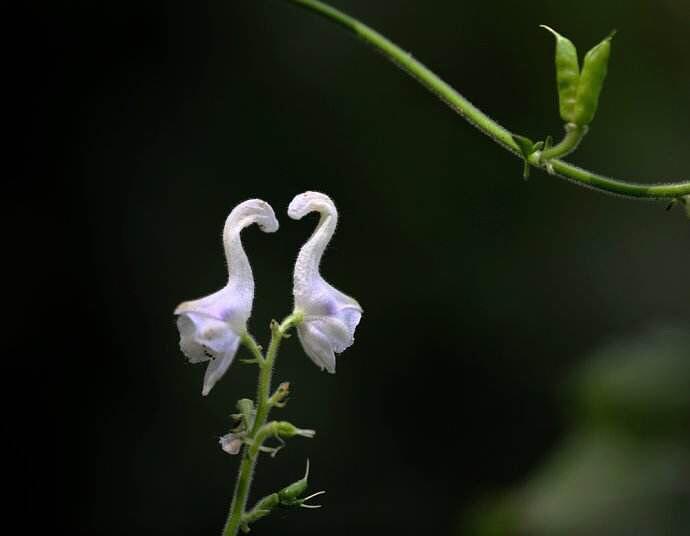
{"x":211,"y":327}
{"x":231,"y":443}
{"x":329,"y":316}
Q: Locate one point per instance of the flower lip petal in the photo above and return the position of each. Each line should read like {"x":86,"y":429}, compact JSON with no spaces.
{"x":316,"y":346}
{"x":204,"y":337}
{"x":351,"y":316}
{"x":220,"y":363}
{"x":207,"y":339}
{"x":189,"y":344}
{"x":331,"y":329}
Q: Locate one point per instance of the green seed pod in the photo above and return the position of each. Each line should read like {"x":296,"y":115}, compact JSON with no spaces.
{"x":592,"y":78}
{"x":567,"y":75}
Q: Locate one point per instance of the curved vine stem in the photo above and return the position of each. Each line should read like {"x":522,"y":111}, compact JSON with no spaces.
{"x":487,"y":125}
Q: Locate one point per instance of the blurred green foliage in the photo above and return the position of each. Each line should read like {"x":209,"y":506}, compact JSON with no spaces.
{"x":624,"y":468}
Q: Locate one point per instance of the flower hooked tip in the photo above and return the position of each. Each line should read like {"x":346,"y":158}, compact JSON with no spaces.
{"x":307,"y":202}
{"x":256,"y":211}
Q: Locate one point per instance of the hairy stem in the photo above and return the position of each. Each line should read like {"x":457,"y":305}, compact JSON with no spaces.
{"x":573,"y":136}
{"x":487,"y":125}
{"x":249,"y":342}
{"x":263,"y":407}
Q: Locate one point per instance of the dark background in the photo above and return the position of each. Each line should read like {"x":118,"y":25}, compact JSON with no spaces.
{"x":481,"y":291}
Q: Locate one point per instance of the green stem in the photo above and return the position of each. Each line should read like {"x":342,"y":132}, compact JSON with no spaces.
{"x":250,"y":455}
{"x":627,"y":189}
{"x":487,"y":125}
{"x":249,"y":342}
{"x":573,"y":135}
{"x":419,"y":71}
{"x":266,"y":431}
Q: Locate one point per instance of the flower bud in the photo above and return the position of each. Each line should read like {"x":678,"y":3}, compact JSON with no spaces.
{"x":231,"y":443}
{"x":286,"y":429}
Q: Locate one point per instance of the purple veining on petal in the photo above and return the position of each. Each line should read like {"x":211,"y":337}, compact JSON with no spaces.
{"x":329,"y":307}
{"x":226,"y":314}
{"x":351,"y":317}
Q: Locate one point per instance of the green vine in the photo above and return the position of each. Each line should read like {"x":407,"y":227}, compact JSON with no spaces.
{"x":547,"y":159}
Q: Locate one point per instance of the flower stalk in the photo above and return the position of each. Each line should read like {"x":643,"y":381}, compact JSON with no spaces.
{"x":257,"y":435}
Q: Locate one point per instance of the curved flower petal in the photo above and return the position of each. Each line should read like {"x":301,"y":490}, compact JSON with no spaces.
{"x":219,"y":365}
{"x":225,"y":306}
{"x":211,"y":327}
{"x":200,"y":336}
{"x":317,"y":346}
{"x":330,"y":317}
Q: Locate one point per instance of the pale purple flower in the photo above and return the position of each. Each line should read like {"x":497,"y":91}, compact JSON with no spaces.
{"x":211,"y":328}
{"x":329,"y":316}
{"x":231,"y":443}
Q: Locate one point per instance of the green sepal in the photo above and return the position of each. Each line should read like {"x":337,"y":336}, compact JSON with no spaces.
{"x":246,"y":408}
{"x":567,"y":74}
{"x":527,"y":147}
{"x":287,"y":429}
{"x":291,"y":495}
{"x":594,"y":69}
{"x":524,"y":144}
{"x":278,"y":398}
